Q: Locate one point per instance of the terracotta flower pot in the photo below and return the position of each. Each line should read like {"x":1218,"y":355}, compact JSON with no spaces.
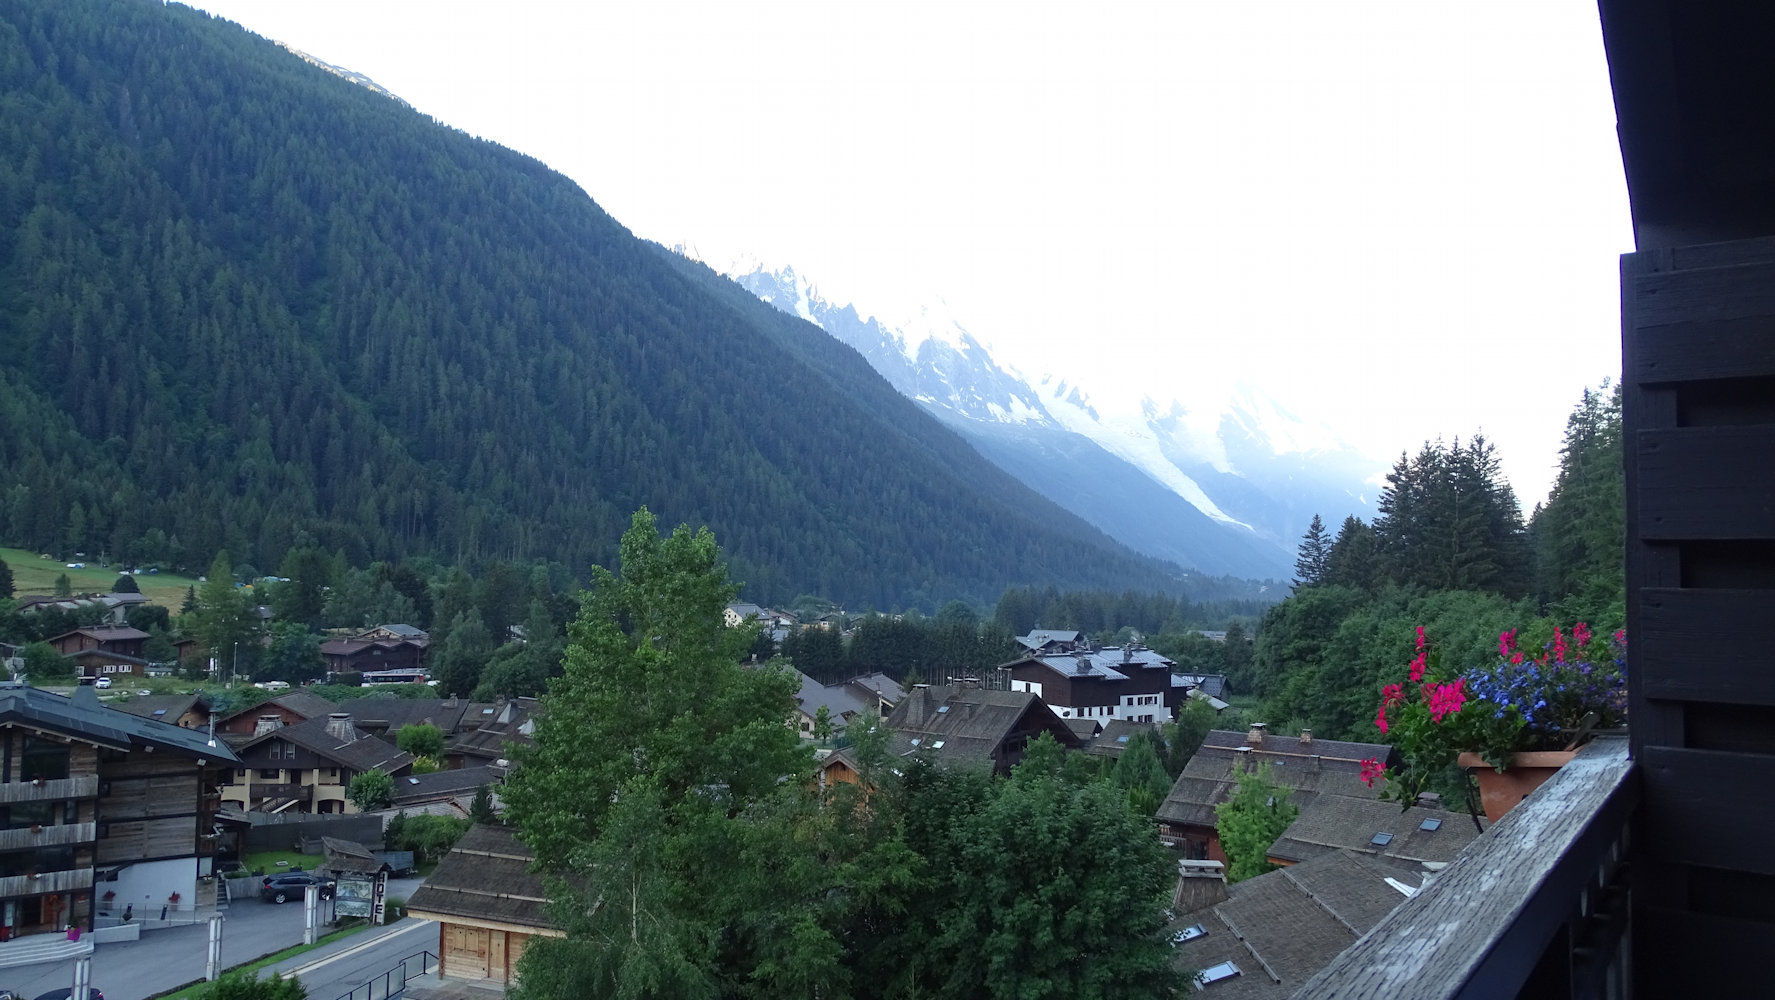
{"x":1499,"y":791}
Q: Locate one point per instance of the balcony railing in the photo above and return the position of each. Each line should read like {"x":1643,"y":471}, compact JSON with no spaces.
{"x":48,"y":836}
{"x":31,"y":885}
{"x":83,"y":787}
{"x":1540,"y":897}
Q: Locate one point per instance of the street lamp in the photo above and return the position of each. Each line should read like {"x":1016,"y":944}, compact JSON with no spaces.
{"x":234,"y":673}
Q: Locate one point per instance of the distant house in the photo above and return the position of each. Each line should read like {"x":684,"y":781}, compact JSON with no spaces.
{"x":1115,"y":736}
{"x":1265,"y":936}
{"x":1115,"y":682}
{"x":1045,"y":641}
{"x":447,"y":793}
{"x":736,"y":615}
{"x":491,"y":741}
{"x":386,"y":715}
{"x":292,"y":708}
{"x":187,"y":711}
{"x":1306,"y":766}
{"x":385,"y":647}
{"x":964,"y":726}
{"x":488,"y":906}
{"x":308,"y":767}
{"x":871,"y":693}
{"x":104,"y":650}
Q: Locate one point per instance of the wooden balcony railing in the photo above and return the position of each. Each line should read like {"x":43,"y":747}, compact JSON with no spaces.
{"x":49,"y":836}
{"x":31,"y":885}
{"x":1538,"y":900}
{"x":84,"y":787}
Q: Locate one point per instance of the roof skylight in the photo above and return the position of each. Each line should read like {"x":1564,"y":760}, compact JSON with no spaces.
{"x":1430,"y":825}
{"x":1215,"y":973}
{"x":1381,"y":839}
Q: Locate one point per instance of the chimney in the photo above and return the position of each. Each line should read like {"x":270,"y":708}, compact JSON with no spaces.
{"x":1200,"y":884}
{"x":1242,"y":759}
{"x":1306,"y":737}
{"x":266,"y":724}
{"x":1255,"y":736}
{"x":340,"y":728}
{"x":915,"y":706}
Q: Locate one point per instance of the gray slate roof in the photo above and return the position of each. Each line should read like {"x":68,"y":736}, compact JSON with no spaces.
{"x":1335,"y":821}
{"x":438,"y":786}
{"x":308,"y":706}
{"x":387,"y":714}
{"x":485,"y":876}
{"x":1307,"y":768}
{"x":970,"y":723}
{"x":83,"y":717}
{"x":1115,"y":736}
{"x":160,"y":707}
{"x":1282,"y":927}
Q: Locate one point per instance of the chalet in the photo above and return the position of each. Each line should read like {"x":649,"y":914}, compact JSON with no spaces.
{"x":292,"y":708}
{"x":1305,"y":766}
{"x":488,"y":906}
{"x":736,"y":615}
{"x":491,"y":742}
{"x":100,"y":810}
{"x":872,"y":693}
{"x":187,"y":711}
{"x":1114,"y":737}
{"x":308,"y":767}
{"x":386,"y":647}
{"x":384,"y":716}
{"x":960,"y":725}
{"x":447,"y":792}
{"x":1265,"y":936}
{"x":102,"y":650}
{"x":1115,"y":682}
{"x":1044,"y":641}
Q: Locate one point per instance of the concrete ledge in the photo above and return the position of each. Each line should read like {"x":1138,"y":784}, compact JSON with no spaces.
{"x":120,"y":932}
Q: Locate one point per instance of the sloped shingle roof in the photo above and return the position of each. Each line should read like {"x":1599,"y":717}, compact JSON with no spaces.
{"x":485,"y":876}
{"x":83,"y":717}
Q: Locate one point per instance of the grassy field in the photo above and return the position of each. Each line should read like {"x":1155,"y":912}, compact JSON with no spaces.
{"x":268,"y":860}
{"x":33,"y":575}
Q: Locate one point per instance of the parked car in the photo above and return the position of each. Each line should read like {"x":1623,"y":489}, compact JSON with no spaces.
{"x":292,"y":885}
{"x":67,"y":993}
{"x":102,"y":682}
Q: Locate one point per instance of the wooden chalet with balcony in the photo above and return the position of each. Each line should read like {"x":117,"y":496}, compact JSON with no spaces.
{"x":100,"y":810}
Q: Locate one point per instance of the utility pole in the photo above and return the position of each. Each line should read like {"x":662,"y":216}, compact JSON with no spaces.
{"x":234,"y":673}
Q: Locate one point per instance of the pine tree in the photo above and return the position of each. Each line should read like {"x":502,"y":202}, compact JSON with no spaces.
{"x":1309,"y":565}
{"x":5,"y":580}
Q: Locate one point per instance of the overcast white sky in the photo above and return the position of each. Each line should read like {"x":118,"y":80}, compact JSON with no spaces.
{"x":1400,"y":218}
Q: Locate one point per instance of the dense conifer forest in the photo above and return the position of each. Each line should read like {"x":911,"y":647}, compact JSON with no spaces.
{"x":250,"y":306}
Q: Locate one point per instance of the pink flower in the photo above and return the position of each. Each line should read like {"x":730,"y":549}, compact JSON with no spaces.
{"x":1417,"y":667}
{"x":1445,"y":699}
{"x":1380,"y":718}
{"x":1506,"y":643}
{"x":1621,"y":635}
{"x":1581,"y":634}
{"x":1392,"y":694}
{"x":1558,"y":645}
{"x":1516,"y":659}
{"x":1420,"y":638}
{"x":1371,"y":769}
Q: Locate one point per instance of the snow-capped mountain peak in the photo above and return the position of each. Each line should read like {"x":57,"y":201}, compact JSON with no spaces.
{"x":1225,"y":483}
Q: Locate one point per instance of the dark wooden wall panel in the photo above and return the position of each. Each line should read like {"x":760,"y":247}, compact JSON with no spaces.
{"x":1689,"y":788}
{"x":1706,"y":483}
{"x":1698,"y":357}
{"x":1705,"y":645}
{"x":1690,"y":954}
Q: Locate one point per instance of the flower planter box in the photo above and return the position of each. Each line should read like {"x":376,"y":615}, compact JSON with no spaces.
{"x":1499,"y":791}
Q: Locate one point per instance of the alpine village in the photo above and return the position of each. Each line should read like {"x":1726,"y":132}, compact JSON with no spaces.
{"x":535,"y":612}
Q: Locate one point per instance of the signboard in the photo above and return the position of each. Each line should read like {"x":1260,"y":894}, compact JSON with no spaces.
{"x":381,"y":900}
{"x":356,"y":894}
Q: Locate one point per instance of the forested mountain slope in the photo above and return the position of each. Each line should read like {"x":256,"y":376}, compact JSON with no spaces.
{"x":245,"y":304}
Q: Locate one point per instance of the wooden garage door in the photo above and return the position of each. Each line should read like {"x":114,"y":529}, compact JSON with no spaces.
{"x":465,"y":951}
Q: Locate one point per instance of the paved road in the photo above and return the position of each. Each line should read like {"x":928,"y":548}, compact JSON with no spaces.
{"x":164,"y":959}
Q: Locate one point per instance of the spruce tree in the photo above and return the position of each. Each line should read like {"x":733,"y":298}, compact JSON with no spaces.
{"x":1309,"y":564}
{"x":5,"y":580}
